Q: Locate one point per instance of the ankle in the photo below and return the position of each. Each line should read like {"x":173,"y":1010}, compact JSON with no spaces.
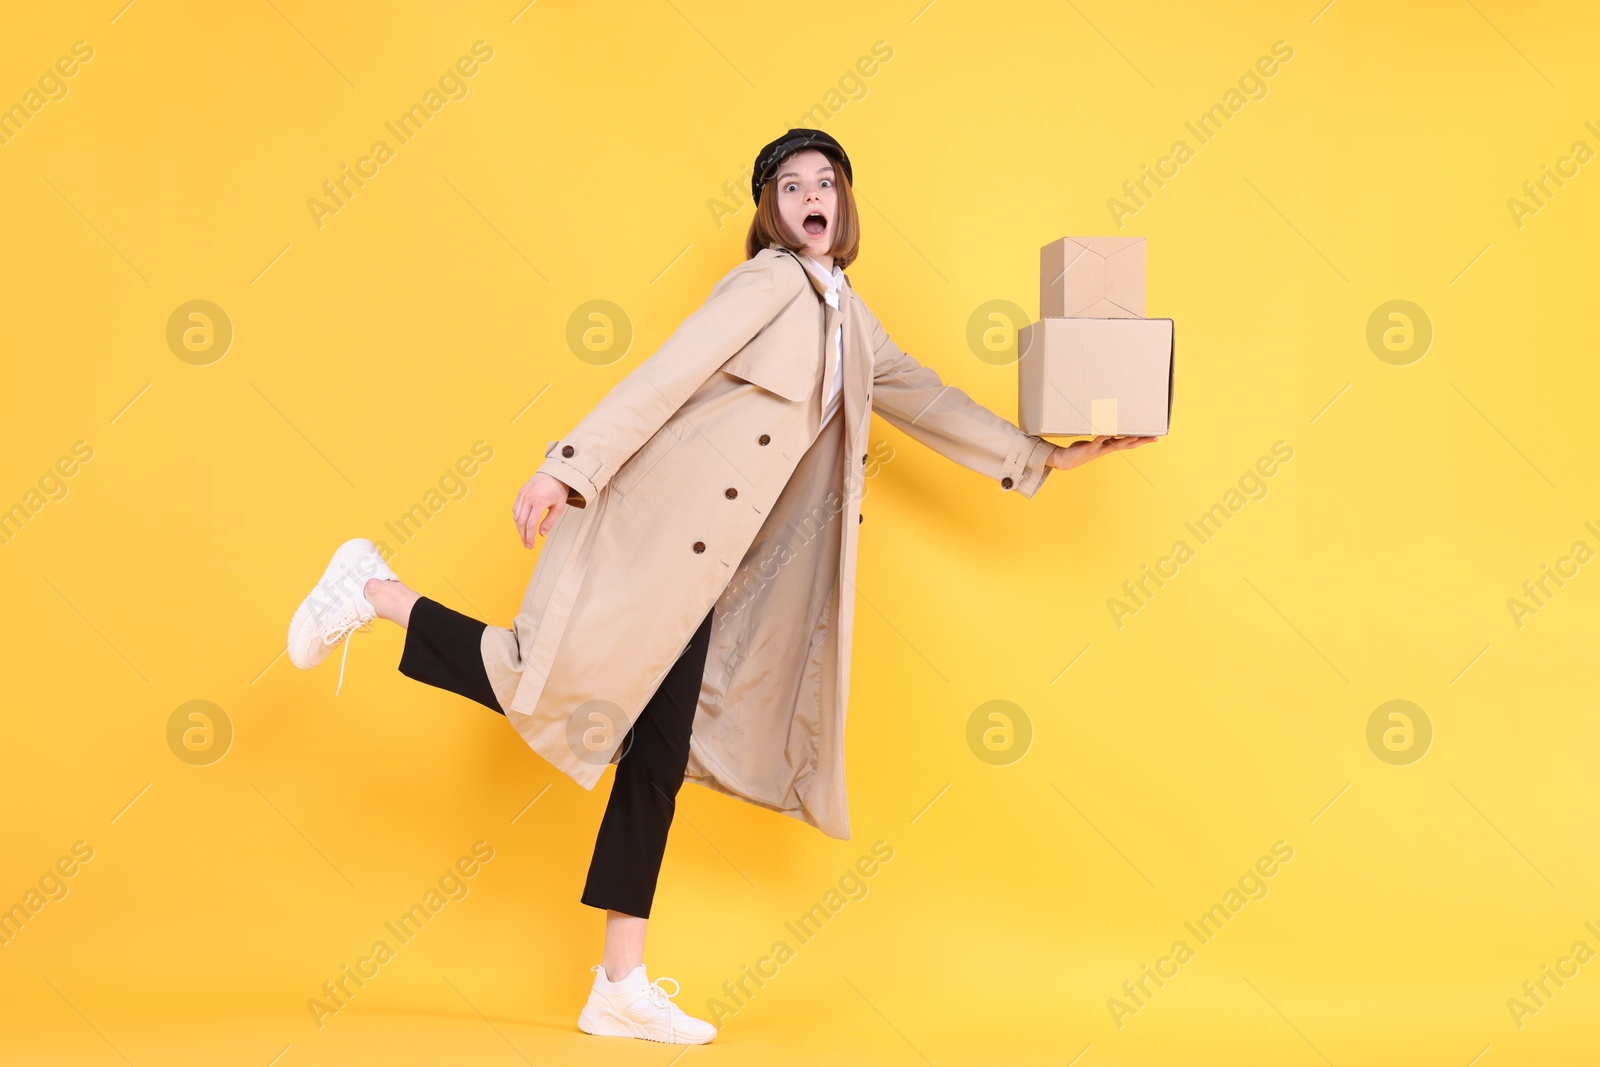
{"x":381,"y":594}
{"x":616,"y":970}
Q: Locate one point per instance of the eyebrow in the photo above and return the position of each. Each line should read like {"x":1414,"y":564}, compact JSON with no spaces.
{"x":796,"y":174}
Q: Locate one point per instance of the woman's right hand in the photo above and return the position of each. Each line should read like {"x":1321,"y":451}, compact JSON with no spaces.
{"x":542,"y":493}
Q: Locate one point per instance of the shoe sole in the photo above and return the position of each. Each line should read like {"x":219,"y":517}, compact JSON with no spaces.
{"x":611,"y":1024}
{"x":304,"y":622}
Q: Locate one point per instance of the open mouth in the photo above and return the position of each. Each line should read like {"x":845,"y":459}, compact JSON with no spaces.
{"x":815,"y":224}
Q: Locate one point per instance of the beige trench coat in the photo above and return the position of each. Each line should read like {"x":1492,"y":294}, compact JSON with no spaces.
{"x":702,"y":479}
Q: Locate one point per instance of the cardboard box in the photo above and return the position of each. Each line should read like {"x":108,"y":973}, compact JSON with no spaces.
{"x":1083,"y":376}
{"x":1092,"y":278}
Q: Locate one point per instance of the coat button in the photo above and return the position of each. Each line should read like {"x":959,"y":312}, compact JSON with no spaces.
{"x":863,"y":459}
{"x":566,"y":450}
{"x":764,"y":439}
{"x":730,"y":492}
{"x":860,"y":517}
{"x":699,"y":546}
{"x":1005,"y":483}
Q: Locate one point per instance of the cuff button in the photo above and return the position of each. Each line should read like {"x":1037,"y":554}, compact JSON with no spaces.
{"x":1005,"y":483}
{"x":566,"y":450}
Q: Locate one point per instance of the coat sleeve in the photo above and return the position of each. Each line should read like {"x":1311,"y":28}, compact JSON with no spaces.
{"x":912,"y":397}
{"x":740,"y":304}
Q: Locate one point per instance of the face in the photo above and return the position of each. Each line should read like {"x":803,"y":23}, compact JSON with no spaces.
{"x":807,"y":200}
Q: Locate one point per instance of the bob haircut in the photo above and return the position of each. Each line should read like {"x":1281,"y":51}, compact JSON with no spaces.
{"x":767,"y":227}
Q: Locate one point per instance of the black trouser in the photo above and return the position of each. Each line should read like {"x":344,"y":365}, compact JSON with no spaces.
{"x":444,"y":648}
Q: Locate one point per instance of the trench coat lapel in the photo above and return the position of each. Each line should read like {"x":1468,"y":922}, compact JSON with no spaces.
{"x":857,"y":362}
{"x":830,"y":325}
{"x":857,"y":365}
{"x":857,"y":370}
{"x":816,"y":283}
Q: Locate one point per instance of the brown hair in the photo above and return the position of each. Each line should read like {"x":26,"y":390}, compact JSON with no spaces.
{"x":767,"y":226}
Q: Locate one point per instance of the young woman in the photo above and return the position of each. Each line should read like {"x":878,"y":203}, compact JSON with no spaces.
{"x":689,"y":615}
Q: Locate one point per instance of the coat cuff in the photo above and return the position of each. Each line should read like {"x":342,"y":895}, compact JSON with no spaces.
{"x":583,"y":474}
{"x":1025,"y":467}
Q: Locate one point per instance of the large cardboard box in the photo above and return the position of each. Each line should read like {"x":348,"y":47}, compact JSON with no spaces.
{"x":1082,"y":376}
{"x":1092,"y":278}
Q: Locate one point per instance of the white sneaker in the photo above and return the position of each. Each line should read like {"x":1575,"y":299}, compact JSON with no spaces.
{"x":637,"y":1007}
{"x":337,"y":606}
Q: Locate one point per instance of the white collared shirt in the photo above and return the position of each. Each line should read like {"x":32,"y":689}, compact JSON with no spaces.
{"x":834,"y":282}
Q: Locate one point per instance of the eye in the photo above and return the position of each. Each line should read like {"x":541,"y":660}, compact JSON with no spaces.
{"x":789,"y":186}
{"x":828,"y":182}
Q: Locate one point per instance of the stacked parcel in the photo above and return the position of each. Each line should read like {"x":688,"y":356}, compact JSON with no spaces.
{"x":1093,"y":364}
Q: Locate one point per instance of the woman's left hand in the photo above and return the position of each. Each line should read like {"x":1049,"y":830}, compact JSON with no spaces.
{"x":1081,"y":452}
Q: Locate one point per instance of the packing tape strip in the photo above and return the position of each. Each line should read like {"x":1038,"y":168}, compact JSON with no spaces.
{"x":1103,"y":416}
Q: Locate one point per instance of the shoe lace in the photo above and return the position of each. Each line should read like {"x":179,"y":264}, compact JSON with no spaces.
{"x":351,"y":623}
{"x":659,"y":995}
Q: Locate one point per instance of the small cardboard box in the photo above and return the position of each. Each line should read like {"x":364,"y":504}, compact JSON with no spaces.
{"x":1079,"y":376}
{"x":1092,"y":278}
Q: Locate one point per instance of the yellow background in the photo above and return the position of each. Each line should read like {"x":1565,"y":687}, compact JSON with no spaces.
{"x":1229,"y":713}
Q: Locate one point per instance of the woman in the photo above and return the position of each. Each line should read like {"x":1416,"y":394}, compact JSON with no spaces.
{"x":689,"y":615}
